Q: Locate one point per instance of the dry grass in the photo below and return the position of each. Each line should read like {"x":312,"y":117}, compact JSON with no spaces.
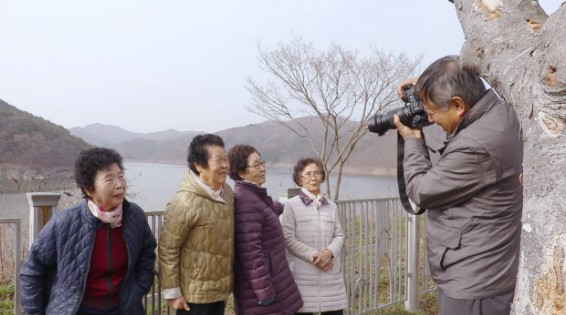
{"x":6,"y":298}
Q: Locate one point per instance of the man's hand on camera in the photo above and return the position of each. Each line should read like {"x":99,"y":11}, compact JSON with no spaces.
{"x":401,"y":87}
{"x":406,"y":132}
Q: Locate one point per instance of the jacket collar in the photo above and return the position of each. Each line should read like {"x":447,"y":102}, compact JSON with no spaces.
{"x":484,"y":105}
{"x":261,"y":191}
{"x":308,"y":198}
{"x":191,"y":184}
{"x":92,"y":220}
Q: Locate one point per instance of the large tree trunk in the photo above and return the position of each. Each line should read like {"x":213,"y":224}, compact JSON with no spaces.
{"x":521,"y":52}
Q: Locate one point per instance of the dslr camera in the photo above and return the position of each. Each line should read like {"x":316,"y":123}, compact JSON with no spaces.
{"x":411,"y":115}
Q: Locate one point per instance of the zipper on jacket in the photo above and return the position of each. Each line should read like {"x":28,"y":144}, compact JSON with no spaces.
{"x":320,"y":241}
{"x":110,"y":262}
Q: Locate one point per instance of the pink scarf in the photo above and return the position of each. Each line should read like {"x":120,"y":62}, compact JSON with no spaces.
{"x":113,"y":217}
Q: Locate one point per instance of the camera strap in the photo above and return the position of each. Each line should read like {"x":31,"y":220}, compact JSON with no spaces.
{"x":409,"y":207}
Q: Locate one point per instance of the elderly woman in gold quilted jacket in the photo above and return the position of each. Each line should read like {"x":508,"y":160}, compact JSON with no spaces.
{"x":196,"y":246}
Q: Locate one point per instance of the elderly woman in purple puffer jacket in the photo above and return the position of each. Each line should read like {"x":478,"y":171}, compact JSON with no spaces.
{"x":263,"y":283}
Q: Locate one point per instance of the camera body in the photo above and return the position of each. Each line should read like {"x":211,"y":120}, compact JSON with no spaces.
{"x":411,"y":115}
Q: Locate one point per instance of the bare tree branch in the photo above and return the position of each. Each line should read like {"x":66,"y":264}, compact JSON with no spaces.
{"x":339,"y":89}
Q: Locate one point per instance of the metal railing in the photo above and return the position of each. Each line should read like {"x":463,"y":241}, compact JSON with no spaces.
{"x":374,"y":259}
{"x":376,"y":255}
{"x":153,"y":302}
{"x":378,"y":236}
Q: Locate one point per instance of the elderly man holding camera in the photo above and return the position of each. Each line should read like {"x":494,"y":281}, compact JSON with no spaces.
{"x":473,"y":194}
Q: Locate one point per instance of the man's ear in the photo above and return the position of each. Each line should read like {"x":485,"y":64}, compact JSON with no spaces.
{"x":459,"y":105}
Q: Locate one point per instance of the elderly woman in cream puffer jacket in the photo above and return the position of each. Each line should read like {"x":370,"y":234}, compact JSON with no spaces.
{"x":314,"y":240}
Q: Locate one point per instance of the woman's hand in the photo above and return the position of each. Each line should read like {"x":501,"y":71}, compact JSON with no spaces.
{"x":178,"y":304}
{"x":323,"y":259}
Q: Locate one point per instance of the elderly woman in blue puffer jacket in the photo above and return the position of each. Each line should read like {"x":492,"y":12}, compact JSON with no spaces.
{"x":96,"y":257}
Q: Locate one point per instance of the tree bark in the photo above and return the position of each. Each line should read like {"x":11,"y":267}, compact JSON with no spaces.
{"x":521,"y":52}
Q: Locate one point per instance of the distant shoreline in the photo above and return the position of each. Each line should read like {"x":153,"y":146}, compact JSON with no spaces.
{"x":346,"y":171}
{"x":16,"y":179}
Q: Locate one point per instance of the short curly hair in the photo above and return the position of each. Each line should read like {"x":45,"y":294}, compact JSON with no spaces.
{"x":300,"y":167}
{"x":238,"y":156}
{"x":91,"y":161}
{"x":198,"y":153}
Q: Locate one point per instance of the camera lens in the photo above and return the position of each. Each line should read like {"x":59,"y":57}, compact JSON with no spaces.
{"x":380,"y":123}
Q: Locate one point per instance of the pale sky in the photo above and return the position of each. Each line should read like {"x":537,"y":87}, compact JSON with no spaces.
{"x":148,"y":66}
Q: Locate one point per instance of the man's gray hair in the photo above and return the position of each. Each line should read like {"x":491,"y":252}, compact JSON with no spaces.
{"x":445,"y":78}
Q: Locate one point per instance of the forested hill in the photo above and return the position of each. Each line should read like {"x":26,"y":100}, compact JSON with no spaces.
{"x":30,"y":143}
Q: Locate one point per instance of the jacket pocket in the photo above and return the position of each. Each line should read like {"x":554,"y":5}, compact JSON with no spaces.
{"x":131,"y":297}
{"x":328,"y":223}
{"x":305,"y":230}
{"x":441,"y":240}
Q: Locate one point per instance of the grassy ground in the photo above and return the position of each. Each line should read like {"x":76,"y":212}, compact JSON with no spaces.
{"x":6,"y":298}
{"x":427,"y":304}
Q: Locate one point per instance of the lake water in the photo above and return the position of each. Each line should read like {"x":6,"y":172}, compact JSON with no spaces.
{"x":152,"y":185}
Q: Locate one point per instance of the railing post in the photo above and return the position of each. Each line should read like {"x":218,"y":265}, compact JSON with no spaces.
{"x":41,"y":205}
{"x":412,"y":302}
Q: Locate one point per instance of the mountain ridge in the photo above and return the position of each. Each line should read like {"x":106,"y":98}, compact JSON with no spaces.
{"x":32,"y":145}
{"x":277,"y":144}
{"x":375,"y":155}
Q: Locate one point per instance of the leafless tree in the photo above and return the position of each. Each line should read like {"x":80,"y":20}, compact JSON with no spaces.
{"x":520,"y":50}
{"x":336,"y":88}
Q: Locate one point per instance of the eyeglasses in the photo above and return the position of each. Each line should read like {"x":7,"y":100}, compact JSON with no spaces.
{"x":430,"y":114}
{"x":258,"y":164}
{"x":313,"y":174}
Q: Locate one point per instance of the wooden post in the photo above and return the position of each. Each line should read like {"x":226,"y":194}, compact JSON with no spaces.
{"x":41,"y":206}
{"x":288,"y":193}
